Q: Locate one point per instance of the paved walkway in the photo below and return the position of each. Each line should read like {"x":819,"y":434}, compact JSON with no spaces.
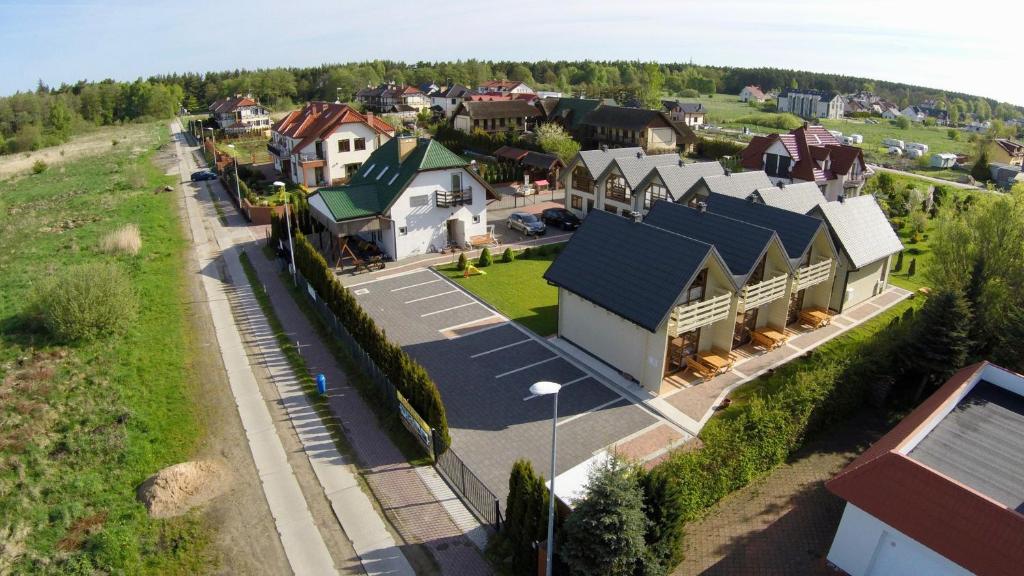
{"x":932,"y":179}
{"x":303,"y":544}
{"x":783,"y":523}
{"x":403,"y":495}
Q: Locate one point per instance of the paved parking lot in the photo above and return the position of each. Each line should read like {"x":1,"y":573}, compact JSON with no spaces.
{"x":484,"y":366}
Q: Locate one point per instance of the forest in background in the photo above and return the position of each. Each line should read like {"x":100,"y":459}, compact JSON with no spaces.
{"x":51,"y":115}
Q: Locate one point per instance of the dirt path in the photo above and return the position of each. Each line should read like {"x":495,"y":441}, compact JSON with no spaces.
{"x":96,"y":142}
{"x":245,"y":534}
{"x":783,"y":523}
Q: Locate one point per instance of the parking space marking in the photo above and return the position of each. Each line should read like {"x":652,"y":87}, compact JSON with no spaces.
{"x":431,"y":296}
{"x":397,"y":275}
{"x":566,"y":385}
{"x":527,"y":367}
{"x":483,"y":321}
{"x":594,"y":409}
{"x":447,"y":309}
{"x":415,"y":285}
{"x":523,"y":341}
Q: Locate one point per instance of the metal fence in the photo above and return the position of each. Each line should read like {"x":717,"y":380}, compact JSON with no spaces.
{"x":477,"y":497}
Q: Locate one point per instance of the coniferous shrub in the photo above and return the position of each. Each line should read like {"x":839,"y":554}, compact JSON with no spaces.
{"x":899,"y":262}
{"x":485,"y":258}
{"x":508,"y":256}
{"x":913,"y":268}
{"x":463,"y":262}
{"x":527,"y":253}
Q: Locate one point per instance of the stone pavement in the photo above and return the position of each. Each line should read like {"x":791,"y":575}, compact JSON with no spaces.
{"x":783,"y":523}
{"x":413,"y":509}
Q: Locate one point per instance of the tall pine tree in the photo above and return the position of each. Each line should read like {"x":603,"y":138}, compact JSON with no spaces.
{"x":942,"y":340}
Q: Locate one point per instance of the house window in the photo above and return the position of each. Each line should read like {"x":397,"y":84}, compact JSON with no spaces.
{"x":617,"y":189}
{"x":454,"y":101}
{"x":360,"y":143}
{"x":351,"y":169}
{"x":581,"y":180}
{"x":655,"y":193}
{"x":476,"y":219}
{"x":611,"y":209}
{"x":577,"y":202}
{"x":776,"y":165}
{"x":344,"y":145}
{"x":501,"y":122}
{"x":695,"y":293}
{"x":403,"y":230}
{"x":421,"y":200}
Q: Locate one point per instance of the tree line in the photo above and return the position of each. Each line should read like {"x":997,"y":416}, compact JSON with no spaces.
{"x":48,"y":115}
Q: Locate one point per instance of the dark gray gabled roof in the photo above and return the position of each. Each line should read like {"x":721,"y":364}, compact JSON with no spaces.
{"x":799,"y":197}
{"x":796,"y":231}
{"x":860,"y":228}
{"x":679,"y":178}
{"x":636,"y":167}
{"x":737,"y":184}
{"x":741,"y":245}
{"x":631,"y":269}
{"x":596,"y":161}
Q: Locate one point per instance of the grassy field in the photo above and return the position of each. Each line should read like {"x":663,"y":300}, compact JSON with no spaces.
{"x":517,"y":289}
{"x":247,"y":150}
{"x":85,"y":424}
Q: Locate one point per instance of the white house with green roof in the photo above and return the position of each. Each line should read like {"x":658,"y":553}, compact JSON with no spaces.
{"x":411,"y":196}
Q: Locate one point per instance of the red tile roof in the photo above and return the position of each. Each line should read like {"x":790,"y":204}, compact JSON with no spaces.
{"x":756,"y":91}
{"x":225,"y":105}
{"x":810,"y":147}
{"x":499,"y":84}
{"x":967,"y":527}
{"x":319,"y":119}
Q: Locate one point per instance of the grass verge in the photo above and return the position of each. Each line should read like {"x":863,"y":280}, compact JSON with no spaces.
{"x":86,"y":423}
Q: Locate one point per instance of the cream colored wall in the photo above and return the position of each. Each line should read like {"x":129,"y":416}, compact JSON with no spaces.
{"x":773,"y":314}
{"x":862,"y":282}
{"x":463,"y":123}
{"x":661,"y":138}
{"x":613,"y":339}
{"x":719,"y":334}
{"x":820,"y":295}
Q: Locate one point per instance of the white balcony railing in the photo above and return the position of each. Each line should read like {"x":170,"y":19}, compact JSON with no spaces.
{"x":692,"y":316}
{"x":812,"y":274}
{"x":755,"y":295}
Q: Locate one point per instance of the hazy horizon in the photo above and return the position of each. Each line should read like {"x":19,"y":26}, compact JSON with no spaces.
{"x":67,"y":41}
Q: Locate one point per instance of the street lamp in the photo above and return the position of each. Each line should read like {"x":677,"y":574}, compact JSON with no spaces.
{"x":238,"y":188}
{"x":544,"y":389}
{"x":288,"y":223}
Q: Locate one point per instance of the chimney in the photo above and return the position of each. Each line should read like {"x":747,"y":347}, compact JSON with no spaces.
{"x":406,"y":144}
{"x":637,"y":217}
{"x":604,"y":147}
{"x":369,"y":118}
{"x":780,"y":185}
{"x":639,"y":154}
{"x":841,"y":198}
{"x":702,"y":207}
{"x":807,"y":124}
{"x":681,"y":163}
{"x":727,"y":171}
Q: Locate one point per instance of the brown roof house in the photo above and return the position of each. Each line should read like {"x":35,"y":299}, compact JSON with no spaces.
{"x":808,"y":154}
{"x":621,"y":127}
{"x":1006,"y":151}
{"x":240,"y":114}
{"x":494,"y":116}
{"x":943,"y":492}
{"x":752,"y":94}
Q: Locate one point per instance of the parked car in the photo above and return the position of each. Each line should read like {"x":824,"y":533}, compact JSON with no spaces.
{"x":560,"y":217}
{"x":526,"y":223}
{"x":203,"y":175}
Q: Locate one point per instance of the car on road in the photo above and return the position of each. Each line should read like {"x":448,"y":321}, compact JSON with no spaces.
{"x":526,"y":223}
{"x":560,"y":217}
{"x":203,"y":175}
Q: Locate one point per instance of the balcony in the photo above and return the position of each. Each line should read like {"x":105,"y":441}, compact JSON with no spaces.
{"x":812,"y":274}
{"x":276,"y":151}
{"x":617,"y":192}
{"x":755,"y":295}
{"x":310,"y":160}
{"x":692,"y":316}
{"x":455,"y":198}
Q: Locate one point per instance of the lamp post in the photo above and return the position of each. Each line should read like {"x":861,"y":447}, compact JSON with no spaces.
{"x":544,"y":389}
{"x":238,"y":188}
{"x":288,"y":224}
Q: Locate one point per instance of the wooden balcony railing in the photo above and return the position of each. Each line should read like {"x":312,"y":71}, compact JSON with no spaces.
{"x":813,"y":274}
{"x":616,"y":192}
{"x":692,"y":316}
{"x":453,"y":198}
{"x":755,"y":295}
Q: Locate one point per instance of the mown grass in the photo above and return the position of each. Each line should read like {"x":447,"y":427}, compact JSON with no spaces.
{"x":517,"y":289}
{"x":85,"y":424}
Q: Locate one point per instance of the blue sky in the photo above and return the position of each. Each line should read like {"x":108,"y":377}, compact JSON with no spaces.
{"x":929,"y":44}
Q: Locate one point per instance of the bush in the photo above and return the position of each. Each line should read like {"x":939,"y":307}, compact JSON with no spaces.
{"x":783,"y":121}
{"x":126,"y":240}
{"x":508,"y":256}
{"x":912,"y":269}
{"x":899,"y":262}
{"x":87,"y":301}
{"x":527,"y":253}
{"x":38,"y":167}
{"x":715,"y":149}
{"x":463,"y":262}
{"x":526,"y":513}
{"x":485,"y":258}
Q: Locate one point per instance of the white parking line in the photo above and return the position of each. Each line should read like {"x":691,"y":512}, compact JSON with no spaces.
{"x":566,"y":385}
{"x":431,"y":296}
{"x":389,"y":277}
{"x":523,"y":341}
{"x":447,"y":309}
{"x":415,"y":285}
{"x":527,"y":367}
{"x":594,"y":409}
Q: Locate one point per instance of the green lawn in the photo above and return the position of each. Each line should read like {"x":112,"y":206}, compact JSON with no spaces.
{"x":517,"y":289}
{"x":85,"y":424}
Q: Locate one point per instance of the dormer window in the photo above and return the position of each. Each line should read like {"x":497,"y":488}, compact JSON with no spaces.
{"x":382,"y":171}
{"x":368,"y":170}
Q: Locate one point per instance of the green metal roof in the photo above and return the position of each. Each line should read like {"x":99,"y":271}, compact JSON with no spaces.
{"x":382,"y":178}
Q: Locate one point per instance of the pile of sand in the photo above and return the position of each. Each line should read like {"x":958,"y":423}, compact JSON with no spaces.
{"x":181,"y":487}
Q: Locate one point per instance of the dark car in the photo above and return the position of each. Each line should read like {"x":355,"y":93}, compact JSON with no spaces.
{"x":561,"y":218}
{"x":526,"y":223}
{"x":203,"y":175}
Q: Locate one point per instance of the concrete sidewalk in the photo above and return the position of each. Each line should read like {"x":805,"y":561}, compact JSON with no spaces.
{"x":414,"y":510}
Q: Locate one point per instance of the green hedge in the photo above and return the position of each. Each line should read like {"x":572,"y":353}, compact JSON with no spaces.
{"x":714,"y":148}
{"x":407,"y":375}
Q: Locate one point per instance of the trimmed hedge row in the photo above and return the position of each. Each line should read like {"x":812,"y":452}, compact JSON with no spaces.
{"x":407,"y":375}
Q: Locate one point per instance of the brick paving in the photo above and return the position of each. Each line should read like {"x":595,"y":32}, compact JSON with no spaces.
{"x":783,"y":523}
{"x":414,"y":511}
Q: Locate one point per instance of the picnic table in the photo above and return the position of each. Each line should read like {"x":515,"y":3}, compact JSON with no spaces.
{"x":816,"y":317}
{"x":769,"y":338}
{"x":715,"y":360}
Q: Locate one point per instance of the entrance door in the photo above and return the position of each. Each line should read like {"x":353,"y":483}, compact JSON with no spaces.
{"x":590,"y":206}
{"x":679,"y":349}
{"x":796,"y":304}
{"x":456,"y":232}
{"x":744,"y":326}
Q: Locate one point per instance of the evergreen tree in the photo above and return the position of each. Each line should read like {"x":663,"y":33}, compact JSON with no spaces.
{"x":899,"y":262}
{"x":508,"y":255}
{"x":485,"y":258}
{"x":463,"y":262}
{"x":942,"y":339}
{"x":912,"y":269}
{"x":980,"y":171}
{"x":664,"y":509}
{"x":604,"y":536}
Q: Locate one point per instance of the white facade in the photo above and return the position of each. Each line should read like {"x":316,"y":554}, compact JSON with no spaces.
{"x":337,"y":162}
{"x":416,"y":224}
{"x":811,"y":105}
{"x":866,"y":546}
{"x":746,"y":95}
{"x":449,"y":105}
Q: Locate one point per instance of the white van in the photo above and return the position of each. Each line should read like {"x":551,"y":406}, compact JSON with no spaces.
{"x":918,"y":146}
{"x":857,"y":138}
{"x":894,"y":143}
